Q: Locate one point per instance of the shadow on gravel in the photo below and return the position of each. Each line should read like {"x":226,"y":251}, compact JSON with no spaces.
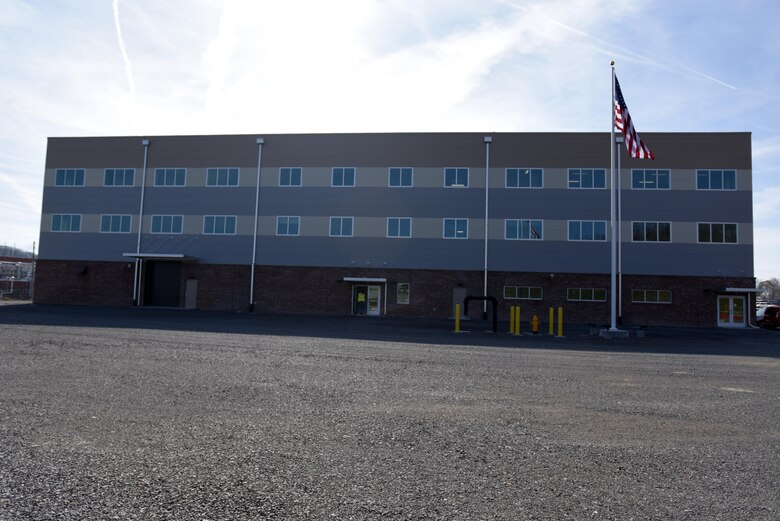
{"x":703,"y":341}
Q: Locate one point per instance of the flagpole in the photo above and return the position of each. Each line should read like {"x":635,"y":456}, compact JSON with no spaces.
{"x":613,"y":228}
{"x":618,"y":141}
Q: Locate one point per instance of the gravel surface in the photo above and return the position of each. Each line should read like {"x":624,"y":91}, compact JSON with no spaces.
{"x":156,"y":414}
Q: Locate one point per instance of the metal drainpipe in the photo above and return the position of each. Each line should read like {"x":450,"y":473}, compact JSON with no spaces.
{"x":488,"y":140}
{"x":137,"y":273}
{"x":260,"y":142}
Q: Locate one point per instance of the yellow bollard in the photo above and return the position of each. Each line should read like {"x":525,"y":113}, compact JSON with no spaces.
{"x":511,"y":320}
{"x":457,"y":318}
{"x":552,"y":321}
{"x":517,"y":320}
{"x":535,"y":325}
{"x":560,"y":322}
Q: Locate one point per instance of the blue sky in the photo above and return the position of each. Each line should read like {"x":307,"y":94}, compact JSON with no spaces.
{"x":147,"y":67}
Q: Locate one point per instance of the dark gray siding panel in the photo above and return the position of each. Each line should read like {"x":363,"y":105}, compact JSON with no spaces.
{"x":95,"y":200}
{"x":687,"y":205}
{"x":549,"y":256}
{"x":87,"y":246}
{"x":199,"y":201}
{"x":373,"y":202}
{"x":734,"y":260}
{"x":550,"y":150}
{"x":370,"y":252}
{"x":213,"y":249}
{"x":549,"y":204}
{"x":172,"y":151}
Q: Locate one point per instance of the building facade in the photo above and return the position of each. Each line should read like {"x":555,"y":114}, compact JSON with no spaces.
{"x":401,"y":224}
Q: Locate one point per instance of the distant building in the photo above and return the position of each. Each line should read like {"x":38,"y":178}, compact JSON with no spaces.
{"x":394,"y":224}
{"x":15,"y":277}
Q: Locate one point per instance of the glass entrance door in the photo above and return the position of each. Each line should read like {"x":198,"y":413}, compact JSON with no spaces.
{"x":374,"y":300}
{"x":731,"y":311}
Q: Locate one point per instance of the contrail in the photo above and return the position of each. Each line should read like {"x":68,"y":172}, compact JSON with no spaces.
{"x":649,"y":61}
{"x":123,"y":50}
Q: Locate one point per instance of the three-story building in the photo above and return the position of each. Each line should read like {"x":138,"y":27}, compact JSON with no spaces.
{"x":401,"y":224}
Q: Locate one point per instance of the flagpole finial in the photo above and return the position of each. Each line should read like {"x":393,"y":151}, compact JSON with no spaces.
{"x":612,"y":63}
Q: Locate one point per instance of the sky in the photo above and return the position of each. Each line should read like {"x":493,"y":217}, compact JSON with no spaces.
{"x":151,"y":67}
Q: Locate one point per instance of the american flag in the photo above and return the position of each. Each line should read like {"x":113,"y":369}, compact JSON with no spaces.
{"x":624,"y":124}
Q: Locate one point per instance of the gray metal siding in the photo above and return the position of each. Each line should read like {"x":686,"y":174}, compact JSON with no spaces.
{"x":687,"y":205}
{"x":688,"y":259}
{"x":670,"y":205}
{"x":546,"y":150}
{"x":371,"y":201}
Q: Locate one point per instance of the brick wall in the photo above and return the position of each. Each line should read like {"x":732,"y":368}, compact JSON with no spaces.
{"x":220,"y":287}
{"x":83,"y":282}
{"x":286,"y":289}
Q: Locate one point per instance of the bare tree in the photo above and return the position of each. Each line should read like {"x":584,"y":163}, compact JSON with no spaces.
{"x":770,"y":289}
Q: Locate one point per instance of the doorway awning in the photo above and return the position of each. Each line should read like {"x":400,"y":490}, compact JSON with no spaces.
{"x":364,"y":279}
{"x":741,"y":290}
{"x":161,"y":256}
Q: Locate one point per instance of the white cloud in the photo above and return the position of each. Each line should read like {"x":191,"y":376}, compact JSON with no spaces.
{"x":766,"y":205}
{"x":123,"y":49}
{"x":766,"y":234}
{"x":234,"y":66}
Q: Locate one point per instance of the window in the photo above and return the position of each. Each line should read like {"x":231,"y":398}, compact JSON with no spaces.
{"x":524,"y":178}
{"x":169,"y":176}
{"x":456,"y":177}
{"x":586,"y":294}
{"x":343,"y":177}
{"x":587,"y":230}
{"x":63,"y":222}
{"x":221,"y":177}
{"x":651,"y":232}
{"x":399,"y":177}
{"x":115,"y":223}
{"x":290,"y":176}
{"x":650,"y":179}
{"x":522,"y":229}
{"x":399,"y":227}
{"x":288,"y":225}
{"x":718,"y":232}
{"x":69,"y":177}
{"x":587,"y":178}
{"x":651,"y":296}
{"x":402,"y":293}
{"x":522,"y":293}
{"x":166,"y":223}
{"x":119,"y":177}
{"x":716,"y":179}
{"x":341,"y":226}
{"x":219,"y":224}
{"x":456,"y":228}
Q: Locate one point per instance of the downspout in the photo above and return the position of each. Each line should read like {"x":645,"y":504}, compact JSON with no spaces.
{"x":488,"y":140}
{"x":137,"y":273}
{"x":260,"y":142}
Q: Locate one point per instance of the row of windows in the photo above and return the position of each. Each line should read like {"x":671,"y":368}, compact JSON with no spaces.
{"x":401,"y":177}
{"x":639,"y":296}
{"x":401,"y":227}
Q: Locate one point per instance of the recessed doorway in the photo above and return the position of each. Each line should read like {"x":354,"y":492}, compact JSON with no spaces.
{"x":367,"y":300}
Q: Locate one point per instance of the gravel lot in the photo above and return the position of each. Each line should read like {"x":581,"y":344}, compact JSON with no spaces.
{"x":158,"y":414}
